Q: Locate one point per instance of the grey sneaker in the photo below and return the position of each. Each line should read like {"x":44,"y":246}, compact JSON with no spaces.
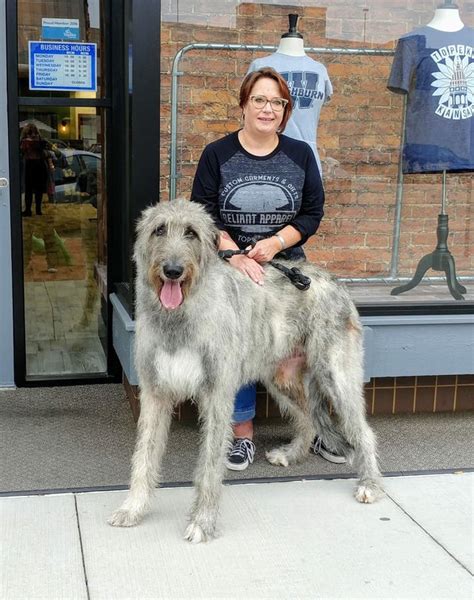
{"x":318,"y":447}
{"x":240,"y":455}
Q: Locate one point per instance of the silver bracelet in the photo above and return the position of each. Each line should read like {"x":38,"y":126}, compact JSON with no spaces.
{"x":281,"y":240}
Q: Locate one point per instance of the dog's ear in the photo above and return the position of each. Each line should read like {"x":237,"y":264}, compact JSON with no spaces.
{"x":217,"y":238}
{"x":142,"y":233}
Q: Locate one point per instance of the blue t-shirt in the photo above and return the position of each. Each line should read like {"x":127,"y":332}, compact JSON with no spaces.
{"x":436,"y":69}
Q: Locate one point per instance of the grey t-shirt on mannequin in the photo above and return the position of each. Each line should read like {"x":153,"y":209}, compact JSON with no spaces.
{"x":310,"y":88}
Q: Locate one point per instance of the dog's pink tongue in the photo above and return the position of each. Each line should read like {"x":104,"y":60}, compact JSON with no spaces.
{"x":170,"y":295}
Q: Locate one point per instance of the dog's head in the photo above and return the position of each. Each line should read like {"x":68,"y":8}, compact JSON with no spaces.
{"x":175,"y":241}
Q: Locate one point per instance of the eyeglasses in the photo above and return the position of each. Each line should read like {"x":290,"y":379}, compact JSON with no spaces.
{"x":277,"y":104}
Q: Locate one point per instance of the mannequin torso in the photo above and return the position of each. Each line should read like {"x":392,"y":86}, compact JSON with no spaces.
{"x":291,"y":46}
{"x":446,"y":19}
{"x":309,"y":85}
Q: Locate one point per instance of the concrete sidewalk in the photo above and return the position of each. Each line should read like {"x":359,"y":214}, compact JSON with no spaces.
{"x":300,"y":539}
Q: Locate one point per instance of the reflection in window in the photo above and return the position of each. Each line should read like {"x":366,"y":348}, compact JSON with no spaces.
{"x":64,"y":244}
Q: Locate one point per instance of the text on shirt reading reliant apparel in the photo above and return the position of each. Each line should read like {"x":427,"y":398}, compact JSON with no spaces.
{"x":454,"y":82}
{"x":265,"y":219}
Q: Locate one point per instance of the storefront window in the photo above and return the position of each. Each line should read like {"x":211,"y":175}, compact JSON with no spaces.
{"x":60,"y":48}
{"x":64,"y":240}
{"x":382,"y":212}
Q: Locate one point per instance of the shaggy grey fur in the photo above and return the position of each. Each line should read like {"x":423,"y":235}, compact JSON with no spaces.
{"x":305,"y":346}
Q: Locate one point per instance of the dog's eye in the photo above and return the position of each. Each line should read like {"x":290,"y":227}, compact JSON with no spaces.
{"x":190,"y":233}
{"x":160,"y":230}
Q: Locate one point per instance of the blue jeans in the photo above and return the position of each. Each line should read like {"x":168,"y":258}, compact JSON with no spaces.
{"x":244,"y":404}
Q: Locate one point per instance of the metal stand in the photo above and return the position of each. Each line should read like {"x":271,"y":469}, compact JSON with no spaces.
{"x":440,"y":259}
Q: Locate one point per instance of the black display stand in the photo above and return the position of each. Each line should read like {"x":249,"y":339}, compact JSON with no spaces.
{"x":440,"y":259}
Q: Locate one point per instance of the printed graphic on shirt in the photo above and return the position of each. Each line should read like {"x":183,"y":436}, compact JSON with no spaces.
{"x":454,"y":81}
{"x":256,"y":204}
{"x":303,"y":86}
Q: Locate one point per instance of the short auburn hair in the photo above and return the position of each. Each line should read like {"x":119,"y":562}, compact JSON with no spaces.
{"x":252,"y":78}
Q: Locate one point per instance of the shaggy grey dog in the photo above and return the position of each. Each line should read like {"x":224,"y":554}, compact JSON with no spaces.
{"x":203,"y":330}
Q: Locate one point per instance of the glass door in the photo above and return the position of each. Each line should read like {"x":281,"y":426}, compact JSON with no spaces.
{"x":62,"y":132}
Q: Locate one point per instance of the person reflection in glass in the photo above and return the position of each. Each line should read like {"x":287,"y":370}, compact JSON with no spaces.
{"x":37,"y":164}
{"x":38,"y":178}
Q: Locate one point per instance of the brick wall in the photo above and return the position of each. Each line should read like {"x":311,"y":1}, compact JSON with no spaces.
{"x":359,"y":132}
{"x":383,"y":396}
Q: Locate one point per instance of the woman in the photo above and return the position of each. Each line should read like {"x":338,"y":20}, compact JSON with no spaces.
{"x":258,"y":183}
{"x":36,"y":164}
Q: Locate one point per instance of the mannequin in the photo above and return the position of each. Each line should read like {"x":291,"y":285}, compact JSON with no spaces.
{"x":434,"y":67}
{"x":291,"y":46}
{"x":291,"y":43}
{"x":308,"y":81}
{"x":446,"y":18}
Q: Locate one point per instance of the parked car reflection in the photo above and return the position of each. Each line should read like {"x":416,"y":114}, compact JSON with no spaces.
{"x":75,"y":176}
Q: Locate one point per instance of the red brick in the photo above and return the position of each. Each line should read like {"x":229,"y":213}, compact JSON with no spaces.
{"x":254,"y":9}
{"x":424,"y":399}
{"x":465,"y":397}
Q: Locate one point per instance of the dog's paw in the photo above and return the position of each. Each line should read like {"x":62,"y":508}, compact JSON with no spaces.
{"x":195,"y":534}
{"x":277,"y":457}
{"x":368,"y":493}
{"x":124,"y":518}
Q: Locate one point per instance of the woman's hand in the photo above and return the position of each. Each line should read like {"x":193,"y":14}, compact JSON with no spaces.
{"x":249,"y":267}
{"x":265,"y":250}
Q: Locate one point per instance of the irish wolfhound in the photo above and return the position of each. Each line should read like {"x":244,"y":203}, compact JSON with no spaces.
{"x":203,"y":330}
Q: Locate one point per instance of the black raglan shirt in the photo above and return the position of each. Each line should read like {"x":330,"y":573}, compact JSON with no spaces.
{"x":251,"y":195}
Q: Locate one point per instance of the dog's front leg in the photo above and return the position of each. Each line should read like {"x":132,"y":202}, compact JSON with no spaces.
{"x":153,"y":427}
{"x":215,"y":415}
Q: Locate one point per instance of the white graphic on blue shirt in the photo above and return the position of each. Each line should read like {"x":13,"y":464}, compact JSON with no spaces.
{"x":303,"y":86}
{"x":454,"y":81}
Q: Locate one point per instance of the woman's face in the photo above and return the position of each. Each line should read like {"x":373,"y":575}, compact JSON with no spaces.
{"x":263,"y":120}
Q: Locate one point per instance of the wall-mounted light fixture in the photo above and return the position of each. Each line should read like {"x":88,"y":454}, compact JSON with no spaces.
{"x":64,"y":127}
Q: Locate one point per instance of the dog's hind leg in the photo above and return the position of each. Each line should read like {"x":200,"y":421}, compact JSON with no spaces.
{"x":153,"y":427}
{"x":343,"y":385}
{"x":326,"y":428}
{"x":293,"y":402}
{"x":215,"y":413}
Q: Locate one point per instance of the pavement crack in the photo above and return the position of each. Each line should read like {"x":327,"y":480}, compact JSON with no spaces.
{"x":82,"y":548}
{"x":429,"y":535}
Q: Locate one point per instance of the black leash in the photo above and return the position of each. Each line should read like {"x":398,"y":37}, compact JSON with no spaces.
{"x":296,"y":277}
{"x":300,"y":281}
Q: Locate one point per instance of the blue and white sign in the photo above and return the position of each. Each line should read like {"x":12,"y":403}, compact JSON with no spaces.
{"x":60,"y":29}
{"x":61,"y":66}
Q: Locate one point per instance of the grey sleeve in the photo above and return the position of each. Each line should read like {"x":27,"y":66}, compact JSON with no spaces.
{"x":253,"y":66}
{"x":328,"y":90}
{"x":402,"y":66}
